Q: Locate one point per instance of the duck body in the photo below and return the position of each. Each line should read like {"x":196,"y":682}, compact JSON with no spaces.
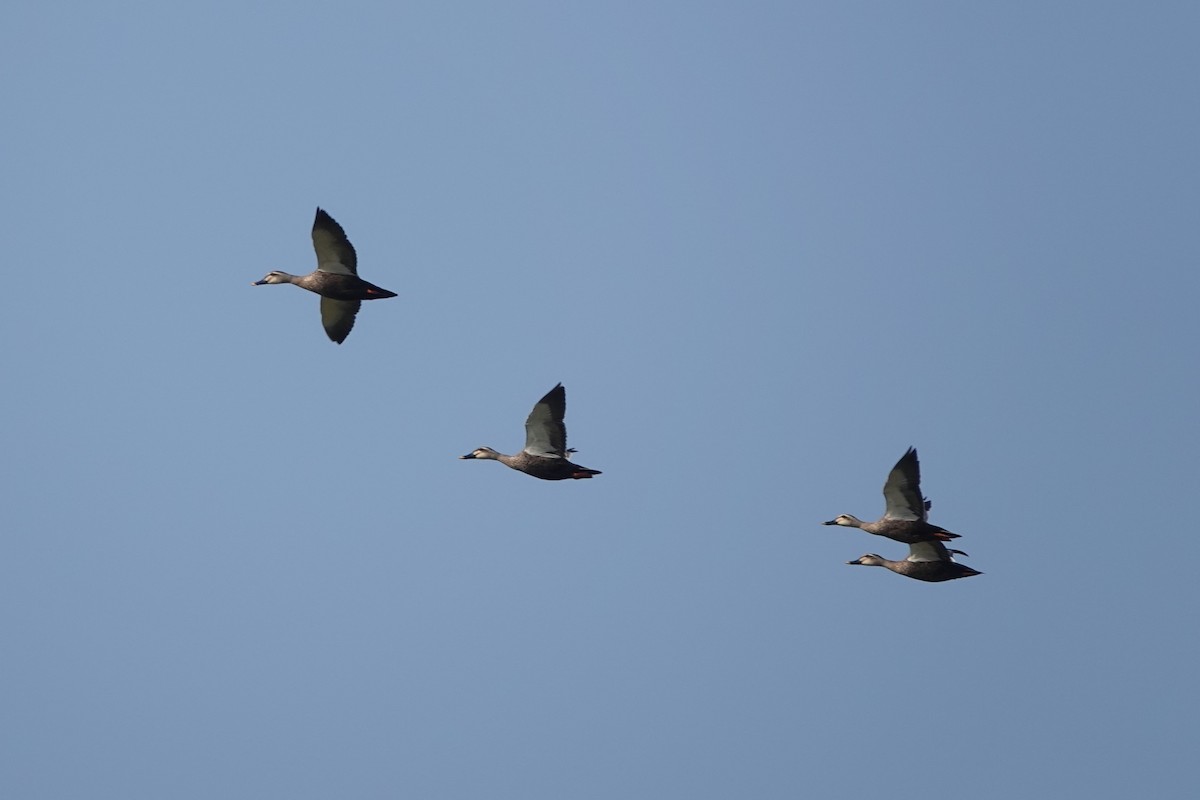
{"x":545,"y":453}
{"x":928,"y":561}
{"x":547,"y":468}
{"x":334,"y":285}
{"x":900,"y":530}
{"x":929,"y":571}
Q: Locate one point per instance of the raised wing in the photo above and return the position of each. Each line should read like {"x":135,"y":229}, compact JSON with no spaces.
{"x":338,"y":317}
{"x":545,"y":433}
{"x":334,"y":252}
{"x":929,"y":551}
{"x":902,"y":491}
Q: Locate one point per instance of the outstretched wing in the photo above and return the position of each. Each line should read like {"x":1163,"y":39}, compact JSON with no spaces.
{"x":902,"y":491}
{"x":929,"y":551}
{"x":545,"y":433}
{"x":338,"y":317}
{"x":334,"y":252}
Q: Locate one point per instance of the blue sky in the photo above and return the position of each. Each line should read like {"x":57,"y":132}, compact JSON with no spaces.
{"x":765,"y":246}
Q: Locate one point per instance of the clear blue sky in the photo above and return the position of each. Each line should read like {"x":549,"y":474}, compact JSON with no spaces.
{"x":765,"y":246}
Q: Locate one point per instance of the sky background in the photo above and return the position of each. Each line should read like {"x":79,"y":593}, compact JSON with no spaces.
{"x":767,"y":246}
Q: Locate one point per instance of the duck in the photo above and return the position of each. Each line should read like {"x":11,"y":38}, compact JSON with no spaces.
{"x":905,"y":518}
{"x":335,"y":278}
{"x":929,"y":561}
{"x":546,"y":451}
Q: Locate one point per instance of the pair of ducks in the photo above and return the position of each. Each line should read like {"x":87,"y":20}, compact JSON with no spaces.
{"x":336,"y":280}
{"x":546,"y":453}
{"x":906,"y":519}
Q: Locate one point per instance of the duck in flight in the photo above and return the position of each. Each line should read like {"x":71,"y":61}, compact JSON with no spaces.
{"x":335,"y":278}
{"x":905,"y":518}
{"x":546,"y":451}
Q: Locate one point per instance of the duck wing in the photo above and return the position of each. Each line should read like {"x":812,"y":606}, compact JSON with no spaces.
{"x":338,"y":317}
{"x":929,"y":551}
{"x":334,"y":252}
{"x":902,"y":491}
{"x":545,"y":433}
